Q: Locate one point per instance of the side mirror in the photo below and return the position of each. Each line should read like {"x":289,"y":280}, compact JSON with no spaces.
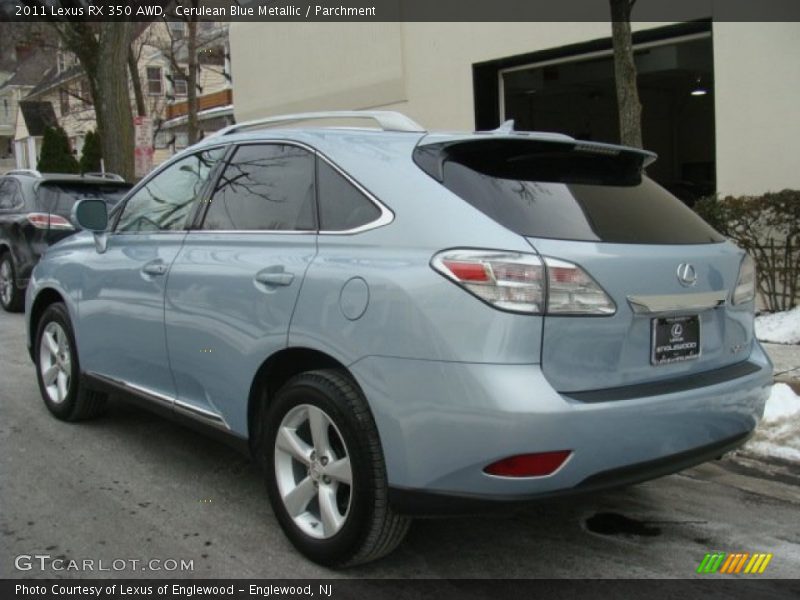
{"x":91,"y":214}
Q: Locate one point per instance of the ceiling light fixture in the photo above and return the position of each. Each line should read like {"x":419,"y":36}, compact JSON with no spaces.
{"x":698,"y":89}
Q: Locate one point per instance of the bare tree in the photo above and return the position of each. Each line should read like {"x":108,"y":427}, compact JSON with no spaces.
{"x":101,"y":48}
{"x":628,"y":105}
{"x":191,"y":79}
{"x":136,"y":82}
{"x":182,"y":51}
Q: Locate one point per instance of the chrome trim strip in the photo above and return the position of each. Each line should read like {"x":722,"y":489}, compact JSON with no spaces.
{"x":386,"y":216}
{"x":676,"y":302}
{"x":206,"y":415}
{"x":147,"y":393}
{"x":163,"y":400}
{"x":266,"y":231}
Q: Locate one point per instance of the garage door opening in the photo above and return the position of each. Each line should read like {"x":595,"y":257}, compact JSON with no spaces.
{"x":576,"y":95}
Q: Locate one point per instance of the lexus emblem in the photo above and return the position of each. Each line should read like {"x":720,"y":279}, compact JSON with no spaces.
{"x":677,"y":330}
{"x":687,"y":275}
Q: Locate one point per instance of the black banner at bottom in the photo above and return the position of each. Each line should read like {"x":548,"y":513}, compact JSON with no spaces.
{"x":396,"y":589}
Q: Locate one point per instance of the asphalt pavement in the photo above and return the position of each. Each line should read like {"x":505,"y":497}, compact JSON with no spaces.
{"x":132,"y":486}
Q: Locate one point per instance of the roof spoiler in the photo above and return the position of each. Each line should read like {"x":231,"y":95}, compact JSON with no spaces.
{"x":516,"y":155}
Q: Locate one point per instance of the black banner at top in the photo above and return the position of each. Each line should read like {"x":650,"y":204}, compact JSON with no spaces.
{"x":395,"y":10}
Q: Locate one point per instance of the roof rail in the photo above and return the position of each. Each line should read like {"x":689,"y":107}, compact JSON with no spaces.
{"x":105,"y":175}
{"x":387,"y":120}
{"x":29,"y":172}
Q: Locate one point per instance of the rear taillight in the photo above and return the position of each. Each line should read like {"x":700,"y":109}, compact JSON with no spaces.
{"x":529,"y":465}
{"x":571,"y":290}
{"x":745,"y":289}
{"x":524,"y":283}
{"x":48,"y":221}
{"x":508,"y":280}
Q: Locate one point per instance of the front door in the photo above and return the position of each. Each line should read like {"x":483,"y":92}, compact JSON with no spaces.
{"x":122,"y":304}
{"x":233,"y":287}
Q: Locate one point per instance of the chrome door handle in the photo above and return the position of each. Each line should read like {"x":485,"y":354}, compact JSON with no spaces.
{"x":275,"y":277}
{"x":155,"y":267}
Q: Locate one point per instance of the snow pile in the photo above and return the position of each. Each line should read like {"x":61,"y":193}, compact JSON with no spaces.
{"x":779,"y":328}
{"x":778,"y":435}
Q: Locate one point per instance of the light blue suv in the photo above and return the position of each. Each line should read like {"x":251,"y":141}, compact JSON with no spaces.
{"x":401,"y":323}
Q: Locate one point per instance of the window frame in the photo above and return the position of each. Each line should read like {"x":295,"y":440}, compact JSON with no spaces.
{"x":175,"y":79}
{"x":386,"y":214}
{"x":149,"y":80}
{"x":199,"y":203}
{"x":63,"y":101}
{"x":177,"y":30}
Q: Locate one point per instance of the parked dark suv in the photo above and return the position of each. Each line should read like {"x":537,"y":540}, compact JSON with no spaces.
{"x":34,"y":213}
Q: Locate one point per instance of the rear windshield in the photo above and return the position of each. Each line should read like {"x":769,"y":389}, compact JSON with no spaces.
{"x":566,"y":195}
{"x":59,"y":197}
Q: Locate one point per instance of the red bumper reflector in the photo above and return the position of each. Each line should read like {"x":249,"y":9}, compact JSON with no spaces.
{"x":529,"y":465}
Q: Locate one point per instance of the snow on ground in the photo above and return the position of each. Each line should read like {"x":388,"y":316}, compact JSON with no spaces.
{"x":779,"y":328}
{"x":778,"y":435}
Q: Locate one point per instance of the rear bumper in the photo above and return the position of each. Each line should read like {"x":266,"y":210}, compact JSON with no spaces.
{"x":442,"y":423}
{"x":423,"y":503}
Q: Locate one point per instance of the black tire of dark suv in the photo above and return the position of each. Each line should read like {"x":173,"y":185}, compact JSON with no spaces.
{"x":12,"y":299}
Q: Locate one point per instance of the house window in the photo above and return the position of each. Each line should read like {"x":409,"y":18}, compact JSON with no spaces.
{"x":181,"y":139}
{"x":61,"y":61}
{"x":155,"y":84}
{"x":64,"y":101}
{"x":180,"y":85}
{"x":177,"y":29}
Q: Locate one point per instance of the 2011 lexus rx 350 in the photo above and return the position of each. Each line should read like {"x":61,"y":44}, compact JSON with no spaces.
{"x":396,"y":322}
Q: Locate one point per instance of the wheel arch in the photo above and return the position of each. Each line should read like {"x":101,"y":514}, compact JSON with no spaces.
{"x":275,"y":371}
{"x":44,"y":298}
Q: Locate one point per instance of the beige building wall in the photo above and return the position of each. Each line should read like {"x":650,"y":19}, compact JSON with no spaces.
{"x":757,"y":103}
{"x":422,"y":69}
{"x":425,"y":71}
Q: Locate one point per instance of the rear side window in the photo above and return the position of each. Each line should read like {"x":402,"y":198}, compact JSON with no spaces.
{"x":567,"y":195}
{"x":267,"y":187}
{"x":60,"y":197}
{"x":342,"y":206}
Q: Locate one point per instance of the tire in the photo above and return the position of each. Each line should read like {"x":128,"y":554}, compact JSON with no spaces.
{"x":58,"y":369}
{"x":314,"y":467}
{"x":12,"y":299}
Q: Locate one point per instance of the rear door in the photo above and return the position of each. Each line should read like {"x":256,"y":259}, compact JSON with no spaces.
{"x":669,"y":274}
{"x":234,"y":285}
{"x":122,"y":296}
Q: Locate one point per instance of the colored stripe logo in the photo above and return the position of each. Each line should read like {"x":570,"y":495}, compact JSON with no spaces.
{"x":734,"y":563}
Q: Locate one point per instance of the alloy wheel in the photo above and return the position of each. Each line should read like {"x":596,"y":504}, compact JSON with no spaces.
{"x":313,"y":472}
{"x":55,"y":362}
